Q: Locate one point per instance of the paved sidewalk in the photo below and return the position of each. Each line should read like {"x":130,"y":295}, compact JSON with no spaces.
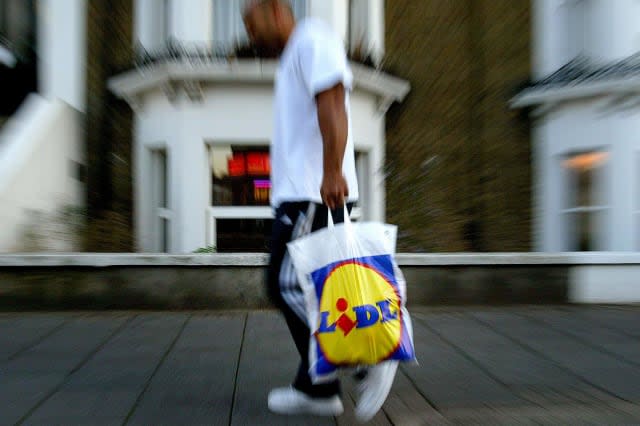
{"x":527,"y":365}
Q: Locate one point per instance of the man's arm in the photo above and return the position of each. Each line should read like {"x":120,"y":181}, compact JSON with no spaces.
{"x":334,"y":126}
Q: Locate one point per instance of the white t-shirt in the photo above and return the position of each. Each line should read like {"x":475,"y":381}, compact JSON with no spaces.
{"x":313,"y":61}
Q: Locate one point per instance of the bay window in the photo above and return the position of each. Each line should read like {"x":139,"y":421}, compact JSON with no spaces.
{"x":586,"y":204}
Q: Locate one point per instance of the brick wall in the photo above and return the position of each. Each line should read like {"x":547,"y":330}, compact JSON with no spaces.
{"x":109,"y":127}
{"x":458,"y":159}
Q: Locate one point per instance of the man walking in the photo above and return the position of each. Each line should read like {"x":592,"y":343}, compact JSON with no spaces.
{"x":313,"y":169}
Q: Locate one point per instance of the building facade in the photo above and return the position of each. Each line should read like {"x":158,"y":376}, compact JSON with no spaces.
{"x":42,"y":79}
{"x":586,"y":121}
{"x":480,"y":125}
{"x":458,"y":159}
{"x":203,"y":117}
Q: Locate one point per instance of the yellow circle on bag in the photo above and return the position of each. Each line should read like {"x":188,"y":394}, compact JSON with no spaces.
{"x":360,"y":317}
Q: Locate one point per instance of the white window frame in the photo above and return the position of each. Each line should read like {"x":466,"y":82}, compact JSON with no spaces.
{"x":161,"y":212}
{"x":215,"y":213}
{"x":246,"y":212}
{"x":636,"y":200}
{"x":601,"y":183}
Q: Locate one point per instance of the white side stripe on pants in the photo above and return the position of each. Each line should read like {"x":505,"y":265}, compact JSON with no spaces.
{"x":289,"y":286}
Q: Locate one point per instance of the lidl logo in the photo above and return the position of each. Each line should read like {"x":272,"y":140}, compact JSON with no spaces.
{"x":360,"y":317}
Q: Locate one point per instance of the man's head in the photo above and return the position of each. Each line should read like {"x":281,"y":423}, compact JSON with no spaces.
{"x":269,"y":24}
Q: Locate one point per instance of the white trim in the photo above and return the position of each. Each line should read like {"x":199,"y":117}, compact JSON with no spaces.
{"x":164,"y":213}
{"x":241,"y":212}
{"x":233,"y":212}
{"x":132,"y":83}
{"x":246,"y":212}
{"x":585,"y":209}
{"x":260,"y":259}
{"x":217,"y":143}
{"x":535,"y":96}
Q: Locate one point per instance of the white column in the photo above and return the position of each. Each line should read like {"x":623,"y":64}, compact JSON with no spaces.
{"x":62,"y":40}
{"x":143,"y":218}
{"x":334,"y":12}
{"x":191,"y":20}
{"x":621,"y":166}
{"x":550,"y":34}
{"x":549,"y":191}
{"x":601,"y":31}
{"x":376,"y":29}
{"x":191,"y":197}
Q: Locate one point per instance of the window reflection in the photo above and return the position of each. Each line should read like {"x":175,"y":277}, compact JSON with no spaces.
{"x":240,"y":176}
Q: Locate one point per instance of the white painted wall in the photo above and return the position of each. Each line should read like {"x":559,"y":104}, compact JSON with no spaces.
{"x":334,"y":12}
{"x":583,"y":126}
{"x":62,"y":44}
{"x":548,"y":32}
{"x":604,"y":284}
{"x":626,"y":31}
{"x":36,"y":147}
{"x":612,"y":32}
{"x":191,"y":20}
{"x":228,"y":114}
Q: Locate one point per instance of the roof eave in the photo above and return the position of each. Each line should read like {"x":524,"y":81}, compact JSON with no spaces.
{"x":132,"y":83}
{"x":534,"y":96}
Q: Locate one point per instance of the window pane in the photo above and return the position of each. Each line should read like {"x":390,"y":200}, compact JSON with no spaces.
{"x":299,"y":8}
{"x":363,"y":175}
{"x":164,"y":235}
{"x":637,"y":234}
{"x":243,"y":235}
{"x":240,"y":176}
{"x":228,"y":27}
{"x":3,"y":20}
{"x":160,"y":177}
{"x":637,"y":183}
{"x":358,"y":34}
{"x":585,"y":231}
{"x":576,"y":26}
{"x":585,"y":179}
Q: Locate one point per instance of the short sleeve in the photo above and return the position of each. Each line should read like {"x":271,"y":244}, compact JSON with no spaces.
{"x":323,"y":64}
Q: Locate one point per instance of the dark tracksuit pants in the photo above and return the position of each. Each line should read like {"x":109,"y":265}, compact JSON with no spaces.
{"x":286,"y":217}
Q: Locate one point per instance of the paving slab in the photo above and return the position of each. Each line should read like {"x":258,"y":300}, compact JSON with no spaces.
{"x":478,"y":366}
{"x":20,"y":333}
{"x":603,"y":371}
{"x":196,"y":382}
{"x":35,"y":374}
{"x":269,"y":359}
{"x":448,"y":379}
{"x":109,"y":384}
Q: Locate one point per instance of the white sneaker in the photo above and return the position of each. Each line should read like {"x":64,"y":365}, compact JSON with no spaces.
{"x":376,"y":384}
{"x":374,"y":389}
{"x":290,"y":401}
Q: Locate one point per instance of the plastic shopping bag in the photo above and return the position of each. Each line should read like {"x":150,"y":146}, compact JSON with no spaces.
{"x":355,"y":297}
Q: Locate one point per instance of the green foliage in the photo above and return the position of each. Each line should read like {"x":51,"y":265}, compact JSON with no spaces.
{"x":205,"y":250}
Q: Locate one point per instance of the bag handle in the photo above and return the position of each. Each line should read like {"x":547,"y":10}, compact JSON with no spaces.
{"x":347,"y":218}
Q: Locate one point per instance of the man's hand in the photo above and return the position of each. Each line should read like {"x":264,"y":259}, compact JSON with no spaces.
{"x":332,"y":118}
{"x":334,"y":190}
